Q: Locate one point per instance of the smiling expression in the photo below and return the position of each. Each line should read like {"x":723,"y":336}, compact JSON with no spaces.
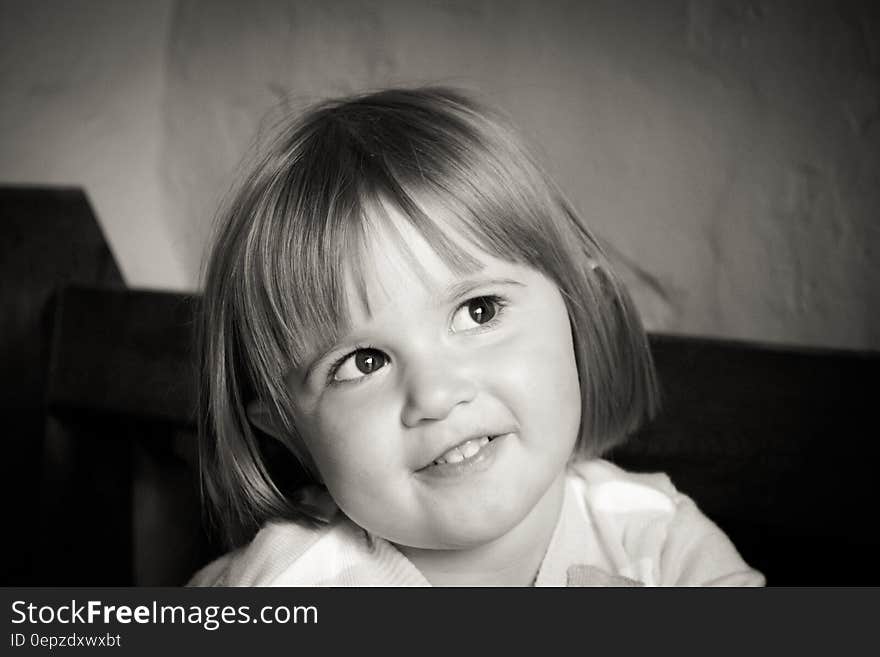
{"x":451,"y":406}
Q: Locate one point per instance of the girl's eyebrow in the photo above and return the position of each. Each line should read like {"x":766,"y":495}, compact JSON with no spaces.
{"x":452,"y":292}
{"x":463,"y":288}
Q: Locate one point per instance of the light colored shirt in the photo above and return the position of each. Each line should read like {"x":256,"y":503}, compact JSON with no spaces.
{"x":615,"y":529}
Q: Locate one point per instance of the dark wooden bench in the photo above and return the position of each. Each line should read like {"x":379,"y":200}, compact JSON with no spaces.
{"x":775,"y":444}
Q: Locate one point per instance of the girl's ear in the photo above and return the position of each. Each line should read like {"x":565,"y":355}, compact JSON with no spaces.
{"x":266,"y":421}
{"x":262,"y":417}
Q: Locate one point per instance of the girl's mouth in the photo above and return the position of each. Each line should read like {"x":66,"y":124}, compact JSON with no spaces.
{"x":464,"y":451}
{"x":473,"y":455}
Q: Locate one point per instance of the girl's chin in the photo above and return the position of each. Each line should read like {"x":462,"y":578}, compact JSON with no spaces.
{"x":467,"y":530}
{"x":448,"y":544}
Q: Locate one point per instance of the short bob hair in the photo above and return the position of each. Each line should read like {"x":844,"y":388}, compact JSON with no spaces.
{"x":275,"y":290}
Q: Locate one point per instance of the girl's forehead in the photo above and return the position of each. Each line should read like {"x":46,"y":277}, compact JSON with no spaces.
{"x":396,"y":257}
{"x":392,"y":257}
{"x":392,"y":261}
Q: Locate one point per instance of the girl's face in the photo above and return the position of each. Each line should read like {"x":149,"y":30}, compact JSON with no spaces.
{"x":451,"y":407}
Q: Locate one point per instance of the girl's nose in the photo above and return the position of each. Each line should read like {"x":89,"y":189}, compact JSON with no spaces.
{"x":433,"y":390}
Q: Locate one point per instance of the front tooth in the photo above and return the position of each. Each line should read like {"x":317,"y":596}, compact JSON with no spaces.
{"x":470,"y":448}
{"x":454,"y":455}
{"x":483,"y":441}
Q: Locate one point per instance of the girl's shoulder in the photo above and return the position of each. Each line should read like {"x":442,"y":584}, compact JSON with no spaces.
{"x":278,"y":545}
{"x":285,"y":553}
{"x":653,"y":532}
{"x":601,"y":477}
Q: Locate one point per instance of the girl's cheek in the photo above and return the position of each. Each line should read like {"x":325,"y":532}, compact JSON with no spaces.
{"x":347,"y":422}
{"x":512,"y":357}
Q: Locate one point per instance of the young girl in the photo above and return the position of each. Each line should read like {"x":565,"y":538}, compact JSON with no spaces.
{"x":402,"y":301}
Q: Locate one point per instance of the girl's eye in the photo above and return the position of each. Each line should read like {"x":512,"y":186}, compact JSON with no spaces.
{"x":475,"y":312}
{"x":359,"y":364}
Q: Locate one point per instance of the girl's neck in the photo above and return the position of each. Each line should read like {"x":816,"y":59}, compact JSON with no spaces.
{"x":510,"y":560}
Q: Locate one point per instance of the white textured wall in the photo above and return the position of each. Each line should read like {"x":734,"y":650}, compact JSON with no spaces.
{"x":81,"y":87}
{"x":728,"y":151}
